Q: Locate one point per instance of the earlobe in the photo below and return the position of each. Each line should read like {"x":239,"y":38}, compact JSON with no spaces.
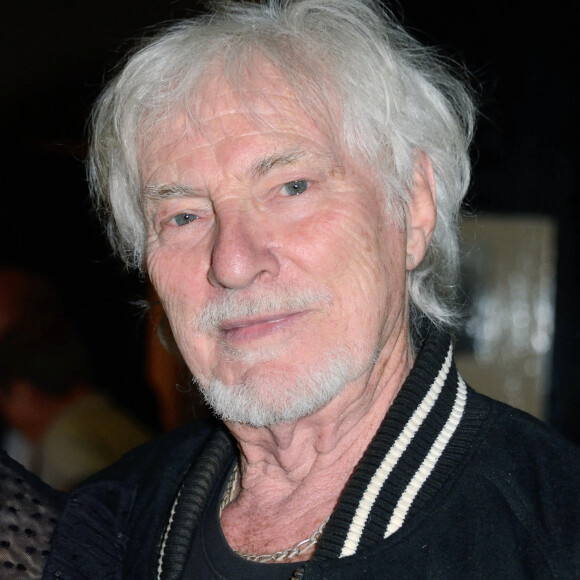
{"x":421,"y":211}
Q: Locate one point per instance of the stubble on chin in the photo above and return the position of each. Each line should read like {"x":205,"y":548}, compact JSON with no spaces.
{"x":266,"y":397}
{"x":263,"y":399}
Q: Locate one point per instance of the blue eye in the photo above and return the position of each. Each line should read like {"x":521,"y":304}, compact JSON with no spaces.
{"x":295,"y":187}
{"x":183,"y":219}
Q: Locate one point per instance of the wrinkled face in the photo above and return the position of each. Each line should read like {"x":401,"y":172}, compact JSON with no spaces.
{"x":279,"y":270}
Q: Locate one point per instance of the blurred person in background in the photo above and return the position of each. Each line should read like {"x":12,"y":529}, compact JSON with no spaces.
{"x":57,"y":424}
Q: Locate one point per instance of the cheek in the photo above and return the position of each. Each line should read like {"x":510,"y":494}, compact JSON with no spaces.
{"x":368,"y":272}
{"x":176,"y":281}
{"x":355,"y":248}
{"x":178,"y":286}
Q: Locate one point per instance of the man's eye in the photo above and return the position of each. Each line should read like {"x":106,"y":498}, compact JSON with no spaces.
{"x":183,"y":219}
{"x":295,"y":187}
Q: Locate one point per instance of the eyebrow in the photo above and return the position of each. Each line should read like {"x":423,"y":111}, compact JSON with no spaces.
{"x":281,"y":159}
{"x":159,"y":192}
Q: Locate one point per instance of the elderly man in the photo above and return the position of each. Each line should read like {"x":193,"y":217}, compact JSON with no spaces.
{"x":289,"y":174}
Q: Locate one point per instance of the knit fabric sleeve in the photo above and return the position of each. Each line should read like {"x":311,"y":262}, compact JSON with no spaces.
{"x":28,"y":513}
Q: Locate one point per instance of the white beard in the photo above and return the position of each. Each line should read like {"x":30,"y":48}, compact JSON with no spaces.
{"x":262,"y":401}
{"x":270,"y":397}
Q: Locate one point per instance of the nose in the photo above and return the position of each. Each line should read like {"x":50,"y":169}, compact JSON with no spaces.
{"x":242,"y":250}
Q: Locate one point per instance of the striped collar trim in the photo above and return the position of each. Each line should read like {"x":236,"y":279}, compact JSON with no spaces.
{"x":410,"y":457}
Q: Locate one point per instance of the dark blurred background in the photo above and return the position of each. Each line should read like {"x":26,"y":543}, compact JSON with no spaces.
{"x":56,"y":56}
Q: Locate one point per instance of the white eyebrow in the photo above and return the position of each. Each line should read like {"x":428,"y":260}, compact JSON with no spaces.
{"x":289,"y":157}
{"x":159,"y":192}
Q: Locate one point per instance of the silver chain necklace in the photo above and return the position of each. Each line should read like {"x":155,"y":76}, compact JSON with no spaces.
{"x":299,"y":548}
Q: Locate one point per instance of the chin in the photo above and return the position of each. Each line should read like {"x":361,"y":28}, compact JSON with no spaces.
{"x":266,"y":399}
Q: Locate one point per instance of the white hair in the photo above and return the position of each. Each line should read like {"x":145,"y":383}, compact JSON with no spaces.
{"x":394,"y":99}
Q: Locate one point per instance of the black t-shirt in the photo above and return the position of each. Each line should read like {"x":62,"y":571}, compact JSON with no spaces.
{"x":210,"y":555}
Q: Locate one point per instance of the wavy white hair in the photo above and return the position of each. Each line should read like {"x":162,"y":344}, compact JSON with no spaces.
{"x":394,"y":97}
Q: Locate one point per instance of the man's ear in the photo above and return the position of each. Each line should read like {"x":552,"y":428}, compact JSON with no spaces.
{"x":421,"y":211}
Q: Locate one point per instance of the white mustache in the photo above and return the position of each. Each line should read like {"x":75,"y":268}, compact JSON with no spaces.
{"x":231,"y":305}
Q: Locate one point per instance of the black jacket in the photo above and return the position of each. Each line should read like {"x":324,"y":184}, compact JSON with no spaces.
{"x":454,"y":485}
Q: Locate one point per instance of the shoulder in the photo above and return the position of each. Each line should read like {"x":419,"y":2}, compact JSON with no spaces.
{"x":529,"y":473}
{"x":517,"y":443}
{"x":124,"y":508}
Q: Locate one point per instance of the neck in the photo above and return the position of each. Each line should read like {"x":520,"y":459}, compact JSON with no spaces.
{"x":294,"y":473}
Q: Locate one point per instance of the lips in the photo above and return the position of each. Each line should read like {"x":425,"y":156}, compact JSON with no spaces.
{"x":249,"y":328}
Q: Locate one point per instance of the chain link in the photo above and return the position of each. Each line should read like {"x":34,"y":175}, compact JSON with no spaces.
{"x":299,"y":548}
